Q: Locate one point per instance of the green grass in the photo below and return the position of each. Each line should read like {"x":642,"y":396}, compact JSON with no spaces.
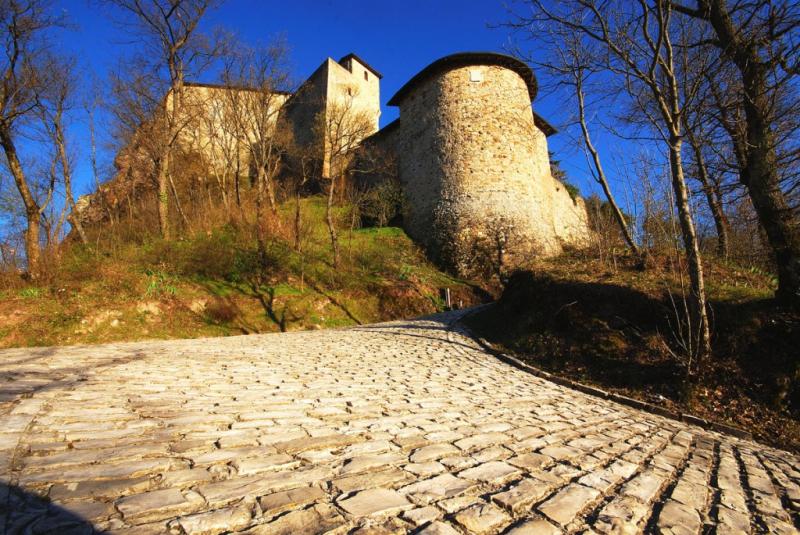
{"x":382,"y":275}
{"x":30,"y":293}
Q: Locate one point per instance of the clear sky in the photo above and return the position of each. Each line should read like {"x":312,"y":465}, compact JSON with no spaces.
{"x":398,"y":38}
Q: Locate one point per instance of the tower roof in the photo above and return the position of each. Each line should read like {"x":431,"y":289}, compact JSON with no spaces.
{"x":361,"y":61}
{"x":463,"y":59}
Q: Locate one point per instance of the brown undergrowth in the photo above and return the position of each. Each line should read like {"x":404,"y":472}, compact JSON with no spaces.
{"x":612,"y":327}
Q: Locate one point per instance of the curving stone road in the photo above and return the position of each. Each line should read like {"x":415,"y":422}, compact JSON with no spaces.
{"x":391,"y":428}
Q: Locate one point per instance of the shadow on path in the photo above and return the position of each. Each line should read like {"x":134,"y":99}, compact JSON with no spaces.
{"x":24,"y":513}
{"x":16,"y":384}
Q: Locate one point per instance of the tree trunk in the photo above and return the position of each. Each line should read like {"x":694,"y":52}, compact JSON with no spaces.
{"x":224,"y":194}
{"x":331,"y":224}
{"x":297,"y":222}
{"x":760,"y":177}
{"x":74,"y":217}
{"x":32,"y":210}
{"x":76,"y":224}
{"x":163,"y":196}
{"x":261,"y":231}
{"x":690,"y":243}
{"x":759,"y":174}
{"x":712,"y":197}
{"x":601,"y":176}
{"x":177,"y":201}
{"x":236,"y":176}
{"x":271,"y":194}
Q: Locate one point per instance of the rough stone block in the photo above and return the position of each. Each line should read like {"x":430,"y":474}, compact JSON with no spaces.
{"x":482,"y":518}
{"x":569,"y":503}
{"x":375,"y":501}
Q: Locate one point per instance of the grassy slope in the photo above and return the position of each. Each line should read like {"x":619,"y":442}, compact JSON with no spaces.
{"x":207,"y":285}
{"x":614,"y":327}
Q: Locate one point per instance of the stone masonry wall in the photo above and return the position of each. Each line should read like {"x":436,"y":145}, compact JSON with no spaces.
{"x":300,"y":113}
{"x":475,"y":170}
{"x":330,"y":85}
{"x":362,"y":84}
{"x":210,"y":130}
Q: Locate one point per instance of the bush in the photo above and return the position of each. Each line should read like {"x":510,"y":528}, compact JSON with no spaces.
{"x":160,"y":283}
{"x":221,"y":254}
{"x":381,"y":205}
{"x":209,"y":255}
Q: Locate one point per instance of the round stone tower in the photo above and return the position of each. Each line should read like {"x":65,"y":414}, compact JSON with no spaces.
{"x":473,"y":162}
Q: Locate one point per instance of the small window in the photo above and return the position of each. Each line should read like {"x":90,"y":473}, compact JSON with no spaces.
{"x":366,"y":75}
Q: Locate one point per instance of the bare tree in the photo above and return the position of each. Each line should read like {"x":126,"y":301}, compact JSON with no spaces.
{"x":571,"y":65}
{"x":138,"y":136}
{"x":303,"y":167}
{"x":219,"y":139}
{"x":91,"y":103}
{"x":173,"y":48}
{"x":340,"y":128}
{"x":699,"y":142}
{"x":55,"y":103}
{"x":761,"y":39}
{"x":25,"y":24}
{"x":637,"y":39}
{"x":258,"y":79}
{"x":695,"y":66}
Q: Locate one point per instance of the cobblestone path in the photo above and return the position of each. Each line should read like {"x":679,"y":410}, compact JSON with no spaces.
{"x":391,"y":428}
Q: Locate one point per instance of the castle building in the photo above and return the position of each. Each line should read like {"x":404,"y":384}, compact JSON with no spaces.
{"x":347,"y":90}
{"x":470,"y":154}
{"x":473,"y":163}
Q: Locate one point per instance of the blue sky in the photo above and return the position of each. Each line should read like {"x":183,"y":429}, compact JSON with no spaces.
{"x":398,"y":38}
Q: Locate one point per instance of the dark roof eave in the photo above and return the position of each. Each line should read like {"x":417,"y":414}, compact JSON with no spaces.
{"x":543,"y":125}
{"x":463,"y":59}
{"x":361,"y":61}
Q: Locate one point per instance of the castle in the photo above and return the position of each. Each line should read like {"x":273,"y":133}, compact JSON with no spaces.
{"x":470,"y":154}
{"x":474,"y":165}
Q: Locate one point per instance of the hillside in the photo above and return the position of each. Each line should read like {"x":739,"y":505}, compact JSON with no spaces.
{"x":607,"y":324}
{"x":208,"y":284}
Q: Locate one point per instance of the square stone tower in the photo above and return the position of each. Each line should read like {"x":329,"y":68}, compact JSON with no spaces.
{"x":336,"y":91}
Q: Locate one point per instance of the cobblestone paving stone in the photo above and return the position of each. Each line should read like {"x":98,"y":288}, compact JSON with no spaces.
{"x":391,"y":428}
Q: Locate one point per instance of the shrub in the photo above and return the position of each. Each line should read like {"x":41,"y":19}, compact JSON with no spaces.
{"x":209,"y":255}
{"x":160,"y":283}
{"x":221,"y":310}
{"x":381,"y":204}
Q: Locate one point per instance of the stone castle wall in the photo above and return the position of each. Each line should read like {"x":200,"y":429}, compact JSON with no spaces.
{"x":475,"y":170}
{"x":214,"y":113}
{"x":469,"y":152}
{"x":348,"y":83}
{"x":302,"y":109}
{"x":352,"y":79}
